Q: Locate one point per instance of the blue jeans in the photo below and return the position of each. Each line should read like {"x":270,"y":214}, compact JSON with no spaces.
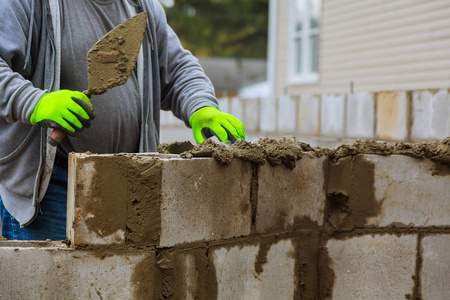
{"x":50,"y":222}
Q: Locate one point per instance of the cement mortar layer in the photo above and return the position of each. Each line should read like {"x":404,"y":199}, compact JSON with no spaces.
{"x":287,"y":151}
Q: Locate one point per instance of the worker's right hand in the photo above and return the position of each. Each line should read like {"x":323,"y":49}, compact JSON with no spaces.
{"x":68,"y":111}
{"x":209,"y":121}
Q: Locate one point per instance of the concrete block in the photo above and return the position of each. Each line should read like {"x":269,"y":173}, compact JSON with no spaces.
{"x":96,"y":206}
{"x":134,"y":199}
{"x":237,"y":108}
{"x":225,"y":104}
{"x":309,"y":115}
{"x":58,"y":273}
{"x":435,"y":279}
{"x":372,"y":267}
{"x":361,"y":115}
{"x":251,"y":115}
{"x":210,"y":201}
{"x":240,"y":277}
{"x":188,"y":276}
{"x":431,"y":112}
{"x":389,"y":190}
{"x":296,"y":196}
{"x":393,"y":116}
{"x":421,"y":118}
{"x":287,"y":114}
{"x":184,"y":273}
{"x":332,"y":115}
{"x":268,"y":117}
{"x":251,"y":268}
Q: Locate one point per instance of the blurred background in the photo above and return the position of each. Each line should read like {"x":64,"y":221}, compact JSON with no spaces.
{"x":228,"y":37}
{"x":324,"y":71}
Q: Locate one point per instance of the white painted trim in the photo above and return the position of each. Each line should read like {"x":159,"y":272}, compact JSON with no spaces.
{"x":306,"y":76}
{"x":304,"y":79}
{"x":272,"y":45}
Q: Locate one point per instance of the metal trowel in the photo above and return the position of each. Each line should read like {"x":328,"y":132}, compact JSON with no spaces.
{"x":111,"y":60}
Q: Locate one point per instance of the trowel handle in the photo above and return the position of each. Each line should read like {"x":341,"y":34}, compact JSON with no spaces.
{"x":57,"y":135}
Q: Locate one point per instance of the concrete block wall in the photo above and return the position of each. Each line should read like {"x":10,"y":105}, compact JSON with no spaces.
{"x":287,"y":114}
{"x":393,"y":117}
{"x":360,"y":122}
{"x":146,"y":194}
{"x":361,"y":227}
{"x":308,"y":121}
{"x":373,"y":267}
{"x":38,"y":270}
{"x":216,"y":229}
{"x":332,"y":115}
{"x":330,"y":119}
{"x":431,"y":114}
{"x":291,"y":200}
{"x":387,"y":218}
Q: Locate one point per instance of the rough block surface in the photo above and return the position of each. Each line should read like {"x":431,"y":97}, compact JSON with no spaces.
{"x":393,"y":116}
{"x":94,"y":218}
{"x":372,"y":267}
{"x":210,"y":201}
{"x":287,"y":114}
{"x":332,"y":116}
{"x":431,"y":111}
{"x":393,"y":190}
{"x":55,"y":273}
{"x":435,"y":279}
{"x":238,"y":278}
{"x":361,"y":115}
{"x":188,"y":277}
{"x":295,"y":197}
{"x":237,"y":108}
{"x":251,"y":115}
{"x":269,"y":115}
{"x":253,"y":268}
{"x":309,"y":115}
{"x":225,"y":105}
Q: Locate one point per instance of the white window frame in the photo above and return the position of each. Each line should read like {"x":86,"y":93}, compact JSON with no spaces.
{"x":307,"y":76}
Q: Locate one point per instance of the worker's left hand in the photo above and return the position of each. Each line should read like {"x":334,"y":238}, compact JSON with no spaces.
{"x":209,"y":121}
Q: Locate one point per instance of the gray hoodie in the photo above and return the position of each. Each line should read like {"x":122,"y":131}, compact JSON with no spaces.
{"x":169,"y":77}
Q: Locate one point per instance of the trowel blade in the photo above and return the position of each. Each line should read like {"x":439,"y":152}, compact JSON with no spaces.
{"x":111,"y":60}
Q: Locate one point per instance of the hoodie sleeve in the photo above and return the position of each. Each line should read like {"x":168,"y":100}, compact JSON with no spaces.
{"x":19,"y":28}
{"x":184,"y":85}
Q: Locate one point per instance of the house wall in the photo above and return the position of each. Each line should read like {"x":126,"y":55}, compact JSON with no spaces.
{"x":378,"y":44}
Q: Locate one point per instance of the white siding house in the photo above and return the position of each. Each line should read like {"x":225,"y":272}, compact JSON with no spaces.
{"x":372,"y":45}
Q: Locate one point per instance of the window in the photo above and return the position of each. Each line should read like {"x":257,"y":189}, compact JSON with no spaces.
{"x":304,"y":42}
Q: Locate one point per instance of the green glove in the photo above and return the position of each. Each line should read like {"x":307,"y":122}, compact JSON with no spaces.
{"x":209,"y":121}
{"x":68,"y":111}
